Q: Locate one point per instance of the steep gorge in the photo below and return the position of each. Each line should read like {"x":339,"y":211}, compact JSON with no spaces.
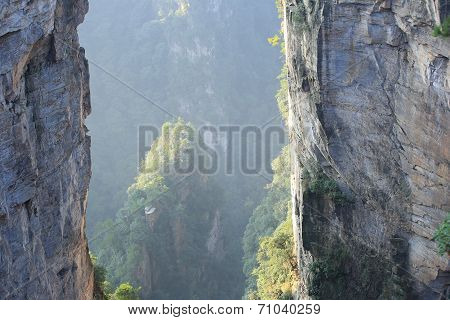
{"x":368,"y":113}
{"x":44,"y":151}
{"x":209,"y":64}
{"x":368,"y":120}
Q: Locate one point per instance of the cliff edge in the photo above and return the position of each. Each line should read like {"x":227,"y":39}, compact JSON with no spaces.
{"x":369,"y":117}
{"x":44,"y":151}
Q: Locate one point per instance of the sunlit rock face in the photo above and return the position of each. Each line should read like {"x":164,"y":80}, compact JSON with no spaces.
{"x":369,"y":106}
{"x":44,"y":151}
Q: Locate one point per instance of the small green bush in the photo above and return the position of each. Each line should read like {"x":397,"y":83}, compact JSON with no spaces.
{"x":442,"y":236}
{"x":319,"y":183}
{"x":442,"y":30}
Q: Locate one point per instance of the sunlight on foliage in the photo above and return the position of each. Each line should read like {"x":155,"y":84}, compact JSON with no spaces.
{"x":276,"y":273}
{"x":274,"y":41}
{"x":125,"y":291}
{"x":268,"y":240}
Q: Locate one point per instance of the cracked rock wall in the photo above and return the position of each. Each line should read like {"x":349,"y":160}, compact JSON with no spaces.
{"x":369,"y":105}
{"x":44,"y":151}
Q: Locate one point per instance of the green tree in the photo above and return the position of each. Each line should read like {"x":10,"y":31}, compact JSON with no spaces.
{"x":125,"y":291}
{"x":275,"y":206}
{"x":270,"y":215}
{"x":276,"y":273}
{"x":168,"y":250}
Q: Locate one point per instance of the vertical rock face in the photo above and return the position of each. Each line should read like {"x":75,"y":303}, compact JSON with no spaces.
{"x":369,"y":109}
{"x":44,"y":151}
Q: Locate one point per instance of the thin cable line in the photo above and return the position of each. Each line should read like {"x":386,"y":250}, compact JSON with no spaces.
{"x":96,"y":237}
{"x":113,"y":76}
{"x":142,"y":95}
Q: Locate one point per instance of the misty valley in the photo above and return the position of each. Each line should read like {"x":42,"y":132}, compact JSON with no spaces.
{"x":225,"y":150}
{"x":225,"y":235}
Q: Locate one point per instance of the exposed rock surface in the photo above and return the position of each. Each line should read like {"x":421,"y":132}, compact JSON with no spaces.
{"x":369,"y":98}
{"x":44,"y":151}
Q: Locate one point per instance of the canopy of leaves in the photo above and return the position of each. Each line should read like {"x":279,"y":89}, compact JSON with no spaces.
{"x":125,"y":291}
{"x":276,"y":273}
{"x":166,"y":252}
{"x":266,"y":218}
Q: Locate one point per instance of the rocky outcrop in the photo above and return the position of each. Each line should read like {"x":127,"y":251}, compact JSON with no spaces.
{"x":44,"y":151}
{"x":369,"y":117}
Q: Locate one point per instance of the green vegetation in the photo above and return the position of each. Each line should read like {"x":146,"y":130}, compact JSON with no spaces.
{"x":270,"y":264}
{"x":282,"y":93}
{"x":353,"y":271}
{"x":188,"y":59}
{"x":277,"y":272}
{"x":169,"y":253}
{"x":103,"y":290}
{"x":328,"y":275}
{"x":442,"y":236}
{"x":442,"y":30}
{"x":319,"y":183}
{"x":393,"y":288}
{"x":269,"y":259}
{"x":268,"y":215}
{"x":280,"y":8}
{"x":125,"y":291}
{"x":274,"y":41}
{"x":100,"y":283}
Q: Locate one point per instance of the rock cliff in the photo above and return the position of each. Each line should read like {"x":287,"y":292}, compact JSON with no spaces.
{"x":369,"y":117}
{"x":44,"y":151}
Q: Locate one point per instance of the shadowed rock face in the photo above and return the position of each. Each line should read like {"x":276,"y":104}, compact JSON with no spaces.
{"x":369,"y":106}
{"x":44,"y":151}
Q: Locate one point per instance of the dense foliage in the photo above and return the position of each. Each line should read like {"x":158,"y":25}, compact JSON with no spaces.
{"x":125,"y":291}
{"x":277,"y":272}
{"x":208,"y":62}
{"x":442,"y":236}
{"x":320,"y":184}
{"x":328,"y":275}
{"x":269,"y":261}
{"x":103,"y":289}
{"x":170,"y":236}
